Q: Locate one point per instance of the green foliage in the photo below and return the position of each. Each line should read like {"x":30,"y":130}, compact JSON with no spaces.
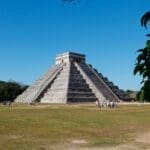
{"x":146,"y":89}
{"x":142,"y":67}
{"x":145,"y":19}
{"x":132,"y":94}
{"x":10,"y":90}
{"x":140,"y":96}
{"x":143,"y":64}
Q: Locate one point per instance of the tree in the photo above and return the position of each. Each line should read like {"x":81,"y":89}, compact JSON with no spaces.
{"x":143,"y":64}
{"x":10,"y":90}
{"x":143,"y":68}
{"x":145,"y":19}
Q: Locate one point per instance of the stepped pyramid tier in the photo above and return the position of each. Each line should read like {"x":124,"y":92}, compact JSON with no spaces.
{"x":72,"y":80}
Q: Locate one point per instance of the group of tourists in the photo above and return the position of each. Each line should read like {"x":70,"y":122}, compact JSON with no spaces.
{"x":7,"y":103}
{"x":106,"y":104}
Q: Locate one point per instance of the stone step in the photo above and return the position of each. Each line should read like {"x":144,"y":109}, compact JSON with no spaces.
{"x":81,"y":99}
{"x":53,"y":99}
{"x":56,"y":83}
{"x":121,"y":94}
{"x":76,"y":79}
{"x":54,"y":94}
{"x":74,"y":71}
{"x":56,"y":89}
{"x":78,"y":85}
{"x":77,"y":82}
{"x":75,"y":76}
{"x":79,"y":94}
{"x":79,"y":89}
{"x":102,"y":87}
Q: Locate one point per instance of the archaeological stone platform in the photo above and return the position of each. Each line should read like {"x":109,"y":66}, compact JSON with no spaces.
{"x":72,"y":80}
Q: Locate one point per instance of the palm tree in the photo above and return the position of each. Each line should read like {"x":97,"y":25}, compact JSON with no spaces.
{"x":145,"y":19}
{"x":143,"y":68}
{"x":143,"y":63}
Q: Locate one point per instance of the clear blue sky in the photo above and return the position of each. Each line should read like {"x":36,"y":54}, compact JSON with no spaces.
{"x":32,"y":32}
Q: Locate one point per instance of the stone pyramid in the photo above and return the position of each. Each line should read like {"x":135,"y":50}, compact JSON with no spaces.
{"x":71,"y":80}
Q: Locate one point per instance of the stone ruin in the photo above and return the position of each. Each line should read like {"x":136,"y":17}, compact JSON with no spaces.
{"x":72,"y":80}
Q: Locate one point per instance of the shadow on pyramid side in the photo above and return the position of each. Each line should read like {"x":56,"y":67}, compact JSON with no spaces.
{"x":71,"y":80}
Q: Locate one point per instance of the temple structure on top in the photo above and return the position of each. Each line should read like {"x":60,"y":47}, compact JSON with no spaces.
{"x":72,"y":80}
{"x":70,"y":57}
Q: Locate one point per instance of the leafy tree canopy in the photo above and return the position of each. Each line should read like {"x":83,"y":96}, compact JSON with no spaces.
{"x":142,"y":66}
{"x":10,"y":90}
{"x":145,"y":19}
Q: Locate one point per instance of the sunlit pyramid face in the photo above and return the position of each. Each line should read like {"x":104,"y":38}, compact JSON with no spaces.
{"x":72,"y":80}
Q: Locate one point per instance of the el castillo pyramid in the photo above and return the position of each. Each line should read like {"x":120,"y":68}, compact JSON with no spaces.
{"x":72,"y":80}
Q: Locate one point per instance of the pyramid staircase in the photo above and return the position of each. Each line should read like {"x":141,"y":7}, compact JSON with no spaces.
{"x":71,"y":80}
{"x":102,"y":91}
{"x":78,"y":89}
{"x":33,"y":93}
{"x":106,"y":87}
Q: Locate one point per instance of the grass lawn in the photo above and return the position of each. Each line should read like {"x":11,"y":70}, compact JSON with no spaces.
{"x":43,"y":127}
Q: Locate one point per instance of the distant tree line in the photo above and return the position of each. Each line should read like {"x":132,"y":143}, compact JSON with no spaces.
{"x":10,"y":90}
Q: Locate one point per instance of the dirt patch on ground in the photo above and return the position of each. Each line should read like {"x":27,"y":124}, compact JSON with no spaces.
{"x":143,"y":138}
{"x":79,"y":142}
{"x":120,"y":147}
{"x":142,"y":141}
{"x":14,"y":136}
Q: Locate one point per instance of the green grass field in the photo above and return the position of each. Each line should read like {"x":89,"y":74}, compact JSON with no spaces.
{"x":43,"y":127}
